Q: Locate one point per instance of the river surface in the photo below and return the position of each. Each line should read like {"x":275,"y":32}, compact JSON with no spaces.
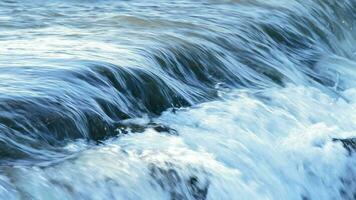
{"x":180,"y":100}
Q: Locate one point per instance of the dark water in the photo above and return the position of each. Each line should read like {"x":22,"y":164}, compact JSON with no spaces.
{"x":177,"y":99}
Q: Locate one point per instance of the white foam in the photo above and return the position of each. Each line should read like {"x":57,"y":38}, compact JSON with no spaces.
{"x":272,"y":144}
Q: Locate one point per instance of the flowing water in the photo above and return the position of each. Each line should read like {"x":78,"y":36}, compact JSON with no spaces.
{"x":187,"y":99}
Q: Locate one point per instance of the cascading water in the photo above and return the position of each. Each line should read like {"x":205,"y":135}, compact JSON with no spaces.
{"x":207,"y":99}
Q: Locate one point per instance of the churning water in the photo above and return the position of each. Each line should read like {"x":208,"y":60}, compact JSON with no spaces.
{"x":159,"y":99}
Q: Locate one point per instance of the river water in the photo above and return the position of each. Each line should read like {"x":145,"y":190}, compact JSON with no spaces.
{"x":186,"y":99}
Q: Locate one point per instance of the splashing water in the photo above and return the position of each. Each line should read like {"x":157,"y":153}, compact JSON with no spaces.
{"x":177,"y":100}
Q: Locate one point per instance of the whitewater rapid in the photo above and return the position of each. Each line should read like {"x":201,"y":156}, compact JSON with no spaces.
{"x":270,"y":144}
{"x":180,"y":100}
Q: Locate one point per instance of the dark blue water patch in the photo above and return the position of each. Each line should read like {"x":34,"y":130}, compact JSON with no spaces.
{"x":66,"y":104}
